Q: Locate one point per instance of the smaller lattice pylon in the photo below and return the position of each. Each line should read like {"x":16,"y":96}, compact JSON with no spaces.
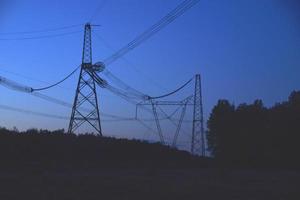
{"x":198,"y":135}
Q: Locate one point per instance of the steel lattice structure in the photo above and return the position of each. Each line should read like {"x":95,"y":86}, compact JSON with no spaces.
{"x":154,"y":104}
{"x":198,"y":138}
{"x":86,"y":95}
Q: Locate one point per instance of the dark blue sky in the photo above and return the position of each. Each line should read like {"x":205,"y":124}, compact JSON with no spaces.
{"x":244,"y":50}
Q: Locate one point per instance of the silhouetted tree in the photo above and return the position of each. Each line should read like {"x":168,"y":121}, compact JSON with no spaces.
{"x":253,"y":135}
{"x":220,"y":130}
{"x":249,"y":127}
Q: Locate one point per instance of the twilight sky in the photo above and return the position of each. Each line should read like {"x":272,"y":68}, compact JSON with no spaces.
{"x":244,"y":50}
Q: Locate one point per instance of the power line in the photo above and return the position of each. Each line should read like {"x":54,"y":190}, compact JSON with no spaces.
{"x":69,"y":105}
{"x":30,"y":112}
{"x":35,"y":79}
{"x":25,"y":89}
{"x":52,"y":100}
{"x":20,"y":110}
{"x":57,"y":83}
{"x":30,"y":78}
{"x":147,"y":127}
{"x":129,"y":90}
{"x":16,"y":86}
{"x":42,"y":30}
{"x":163,"y":22}
{"x":23,"y":76}
{"x":129,"y":63}
{"x":40,"y":37}
{"x":173,"y":92}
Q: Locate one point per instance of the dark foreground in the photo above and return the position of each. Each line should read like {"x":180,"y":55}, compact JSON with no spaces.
{"x":44,"y":165}
{"x":151,"y":184}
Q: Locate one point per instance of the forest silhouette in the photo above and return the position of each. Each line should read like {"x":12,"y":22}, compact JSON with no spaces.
{"x":253,"y":135}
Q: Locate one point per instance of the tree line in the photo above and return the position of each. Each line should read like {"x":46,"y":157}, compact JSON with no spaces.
{"x":46,"y":149}
{"x":253,"y":135}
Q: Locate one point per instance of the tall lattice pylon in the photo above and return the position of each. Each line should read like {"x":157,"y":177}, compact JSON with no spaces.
{"x":198,"y":137}
{"x":85,"y":108}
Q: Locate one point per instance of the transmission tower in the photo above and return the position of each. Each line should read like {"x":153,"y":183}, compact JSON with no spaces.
{"x":85,"y":108}
{"x":198,"y":139}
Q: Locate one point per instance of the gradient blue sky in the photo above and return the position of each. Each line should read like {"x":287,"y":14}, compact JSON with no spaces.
{"x":244,"y":50}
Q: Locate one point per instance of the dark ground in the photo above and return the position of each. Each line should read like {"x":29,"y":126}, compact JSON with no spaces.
{"x":151,"y":184}
{"x":44,"y":165}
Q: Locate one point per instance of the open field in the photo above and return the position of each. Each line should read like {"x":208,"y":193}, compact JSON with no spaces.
{"x":151,"y":184}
